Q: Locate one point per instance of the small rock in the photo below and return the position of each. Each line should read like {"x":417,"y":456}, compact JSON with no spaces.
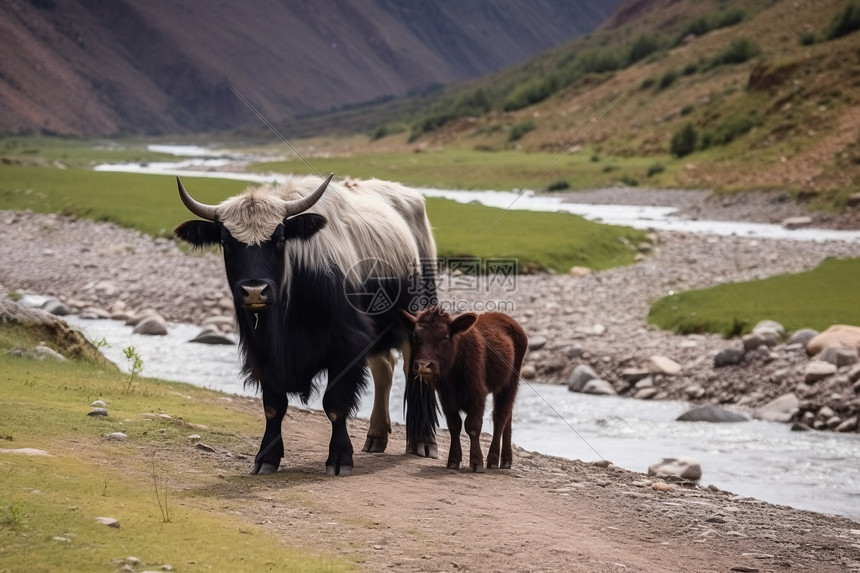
{"x":55,"y":307}
{"x":753,"y":340}
{"x":194,"y":437}
{"x":98,"y":412}
{"x":580,"y":272}
{"x":848,"y":425}
{"x":662,"y":486}
{"x":837,"y":335}
{"x":713,"y":414}
{"x":802,"y":336}
{"x":729,"y":357}
{"x":770,"y":325}
{"x":800,"y":427}
{"x":42,"y":351}
{"x":60,"y":538}
{"x":537,"y":342}
{"x":634,"y":375}
{"x":684,"y":468}
{"x":662,"y":365}
{"x":818,"y":370}
{"x":854,"y":374}
{"x":205,"y":448}
{"x":581,"y":374}
{"x":781,"y":409}
{"x":117,"y":436}
{"x":646,"y":393}
{"x":98,"y":404}
{"x":598,"y":387}
{"x":151,"y":326}
{"x":839,"y":356}
{"x":109,"y":521}
{"x":528,"y":372}
{"x":211,"y":336}
{"x":796,"y":222}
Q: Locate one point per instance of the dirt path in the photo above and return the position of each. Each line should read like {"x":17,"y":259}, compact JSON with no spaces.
{"x":403,"y":513}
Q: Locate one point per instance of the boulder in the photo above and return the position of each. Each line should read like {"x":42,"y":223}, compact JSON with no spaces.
{"x":781,"y":409}
{"x":581,"y":374}
{"x":728,"y":357}
{"x":684,"y":468}
{"x":634,"y":375}
{"x":151,"y":326}
{"x":802,"y":336}
{"x":839,"y":356}
{"x":837,"y":335}
{"x":662,"y":365}
{"x":41,"y":351}
{"x":818,"y":370}
{"x":580,"y":272}
{"x":598,"y":387}
{"x":711,"y":413}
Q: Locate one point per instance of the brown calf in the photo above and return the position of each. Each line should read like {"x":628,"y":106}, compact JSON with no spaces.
{"x":464,"y":359}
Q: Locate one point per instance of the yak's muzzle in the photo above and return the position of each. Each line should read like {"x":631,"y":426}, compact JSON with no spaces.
{"x":256,"y":296}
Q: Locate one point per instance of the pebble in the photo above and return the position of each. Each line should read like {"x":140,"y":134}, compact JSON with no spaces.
{"x":98,"y":404}
{"x":203,"y":447}
{"x":117,"y":436}
{"x":98,"y":412}
{"x":109,"y":521}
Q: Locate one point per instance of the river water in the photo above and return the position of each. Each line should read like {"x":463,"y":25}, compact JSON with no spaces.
{"x":807,"y":470}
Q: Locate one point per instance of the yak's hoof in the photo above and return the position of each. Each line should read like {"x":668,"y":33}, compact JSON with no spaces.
{"x":338,"y":471}
{"x":375,"y":445}
{"x":492,"y":465}
{"x":506,"y":466}
{"x":262,"y":468}
{"x":478,"y":468}
{"x":424,"y":450}
{"x":453,"y":466}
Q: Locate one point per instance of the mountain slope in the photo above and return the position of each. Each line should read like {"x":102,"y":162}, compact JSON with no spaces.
{"x":160,"y":66}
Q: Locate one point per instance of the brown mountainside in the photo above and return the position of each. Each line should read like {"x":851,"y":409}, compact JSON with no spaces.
{"x":160,"y":66}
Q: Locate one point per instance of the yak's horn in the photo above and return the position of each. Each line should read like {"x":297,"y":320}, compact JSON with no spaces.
{"x":202,"y":210}
{"x":305,"y":203}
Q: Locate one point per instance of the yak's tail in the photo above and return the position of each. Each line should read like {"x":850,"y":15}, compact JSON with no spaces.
{"x":421,"y":414}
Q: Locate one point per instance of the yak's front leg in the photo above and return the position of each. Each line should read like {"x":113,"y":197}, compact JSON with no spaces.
{"x":340,"y":399}
{"x":268,"y":459}
{"x":382,"y":369}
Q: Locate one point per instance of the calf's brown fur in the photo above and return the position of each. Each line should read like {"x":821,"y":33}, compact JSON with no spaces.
{"x":464,"y":359}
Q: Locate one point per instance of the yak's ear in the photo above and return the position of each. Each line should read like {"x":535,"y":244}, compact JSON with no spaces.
{"x":199,"y":233}
{"x":303,"y":226}
{"x":463,"y":323}
{"x":411,"y":319}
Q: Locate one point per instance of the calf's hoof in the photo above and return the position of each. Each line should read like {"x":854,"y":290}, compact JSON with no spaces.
{"x":375,"y":445}
{"x":263,"y":468}
{"x":424,"y":449}
{"x":338,"y":470}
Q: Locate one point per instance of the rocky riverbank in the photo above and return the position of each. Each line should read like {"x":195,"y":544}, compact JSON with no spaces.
{"x":593,"y":320}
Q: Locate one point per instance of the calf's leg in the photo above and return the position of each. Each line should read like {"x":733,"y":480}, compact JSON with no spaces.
{"x":268,"y":459}
{"x":474,"y":423}
{"x":503,"y":409}
{"x":455,"y":452}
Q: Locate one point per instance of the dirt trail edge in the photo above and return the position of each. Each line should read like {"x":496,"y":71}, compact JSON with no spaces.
{"x":404,"y":513}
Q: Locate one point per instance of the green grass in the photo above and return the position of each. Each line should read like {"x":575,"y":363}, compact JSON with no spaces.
{"x":44,"y":406}
{"x":826,"y":295}
{"x":150,"y":203}
{"x":79,"y":153}
{"x":542,"y":241}
{"x":470,"y":169}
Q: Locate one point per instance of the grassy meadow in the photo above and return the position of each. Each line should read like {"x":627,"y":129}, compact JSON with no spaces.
{"x":826,"y":295}
{"x":169,"y":512}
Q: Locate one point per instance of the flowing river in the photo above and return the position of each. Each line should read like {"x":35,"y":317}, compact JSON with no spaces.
{"x":818,"y":471}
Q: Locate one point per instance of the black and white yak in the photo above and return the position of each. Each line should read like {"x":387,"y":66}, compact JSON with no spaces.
{"x":318,"y":280}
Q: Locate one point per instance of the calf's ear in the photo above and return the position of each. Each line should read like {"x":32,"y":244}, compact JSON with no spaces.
{"x":463,"y":323}
{"x":303,"y":226}
{"x":198,"y":233}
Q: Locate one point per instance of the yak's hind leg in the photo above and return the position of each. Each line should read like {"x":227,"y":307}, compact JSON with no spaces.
{"x":268,"y":459}
{"x":503,"y":410}
{"x":339,"y":402}
{"x":382,"y":369}
{"x":421,"y":412}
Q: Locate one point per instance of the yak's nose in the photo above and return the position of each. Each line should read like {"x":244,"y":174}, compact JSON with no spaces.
{"x":255,"y":296}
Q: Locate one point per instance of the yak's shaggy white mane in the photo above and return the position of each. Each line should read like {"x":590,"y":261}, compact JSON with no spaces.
{"x":366,"y":221}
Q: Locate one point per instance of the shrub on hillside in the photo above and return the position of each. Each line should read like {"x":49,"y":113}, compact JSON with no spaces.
{"x":668,"y":78}
{"x":846,"y":21}
{"x":518,"y":130}
{"x":684,"y":140}
{"x":739,"y":51}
